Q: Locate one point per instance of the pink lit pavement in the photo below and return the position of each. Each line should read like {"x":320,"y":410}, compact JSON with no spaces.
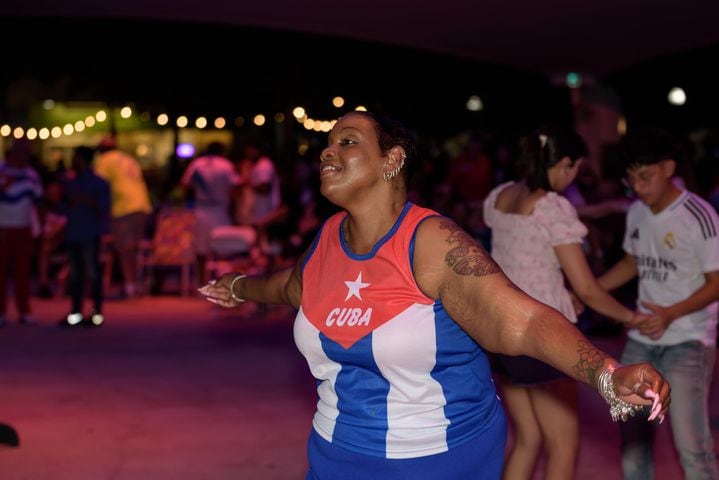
{"x":175,"y":388}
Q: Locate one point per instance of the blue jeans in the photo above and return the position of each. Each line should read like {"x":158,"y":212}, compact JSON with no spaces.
{"x":85,"y":263}
{"x":688,"y":367}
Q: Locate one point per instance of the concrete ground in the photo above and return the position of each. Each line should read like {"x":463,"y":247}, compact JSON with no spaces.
{"x":175,"y":388}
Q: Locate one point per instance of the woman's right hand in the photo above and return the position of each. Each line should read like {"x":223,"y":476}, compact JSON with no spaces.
{"x":220,"y":292}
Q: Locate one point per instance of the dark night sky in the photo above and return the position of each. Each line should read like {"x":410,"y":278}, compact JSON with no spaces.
{"x":204,"y":68}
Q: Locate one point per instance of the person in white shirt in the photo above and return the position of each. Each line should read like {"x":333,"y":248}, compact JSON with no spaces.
{"x":261,"y":204}
{"x":213,"y":182}
{"x":671,"y":245}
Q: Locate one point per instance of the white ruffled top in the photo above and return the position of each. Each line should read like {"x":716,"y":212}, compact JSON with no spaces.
{"x":523,"y":246}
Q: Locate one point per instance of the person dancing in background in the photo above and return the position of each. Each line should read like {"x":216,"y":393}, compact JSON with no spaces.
{"x":671,"y":243}
{"x":537,"y":236}
{"x":397,"y":307}
{"x":213,"y":182}
{"x":131,"y":208}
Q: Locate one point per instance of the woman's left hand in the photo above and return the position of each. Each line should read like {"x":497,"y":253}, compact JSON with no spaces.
{"x":642,"y":384}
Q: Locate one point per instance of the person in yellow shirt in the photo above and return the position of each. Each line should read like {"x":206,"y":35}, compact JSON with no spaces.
{"x":131,"y":207}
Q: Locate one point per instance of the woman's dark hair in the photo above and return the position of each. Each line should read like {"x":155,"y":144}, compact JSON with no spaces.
{"x":391,"y":132}
{"x":543,"y":149}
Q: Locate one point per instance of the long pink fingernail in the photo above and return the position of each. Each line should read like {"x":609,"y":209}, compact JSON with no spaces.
{"x":649,"y":393}
{"x":656,"y":411}
{"x":652,"y":415}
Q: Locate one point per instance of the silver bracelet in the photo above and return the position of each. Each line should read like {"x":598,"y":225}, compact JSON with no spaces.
{"x":232,"y":289}
{"x":618,"y":408}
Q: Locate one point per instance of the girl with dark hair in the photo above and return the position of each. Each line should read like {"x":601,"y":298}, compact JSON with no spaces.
{"x":537,"y":241}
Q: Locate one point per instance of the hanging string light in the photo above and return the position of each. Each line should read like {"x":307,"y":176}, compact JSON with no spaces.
{"x":163,"y":120}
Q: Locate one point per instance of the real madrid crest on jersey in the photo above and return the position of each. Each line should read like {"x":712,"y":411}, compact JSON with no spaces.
{"x":669,"y":241}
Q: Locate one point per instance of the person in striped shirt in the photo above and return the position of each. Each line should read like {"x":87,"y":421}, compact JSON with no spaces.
{"x":20,"y":189}
{"x":671,"y":245}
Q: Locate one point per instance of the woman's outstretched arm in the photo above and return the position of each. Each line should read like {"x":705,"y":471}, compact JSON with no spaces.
{"x":451,"y":266}
{"x":282,"y":287}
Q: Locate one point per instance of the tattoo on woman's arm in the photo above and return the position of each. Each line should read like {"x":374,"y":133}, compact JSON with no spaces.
{"x":467,"y":257}
{"x":591,"y":361}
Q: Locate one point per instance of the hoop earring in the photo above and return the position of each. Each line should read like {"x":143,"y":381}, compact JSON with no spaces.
{"x":388,"y":176}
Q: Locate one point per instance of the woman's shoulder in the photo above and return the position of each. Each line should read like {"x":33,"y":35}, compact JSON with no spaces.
{"x":555,"y":204}
{"x":560,"y":218}
{"x":498,"y":190}
{"x":434,"y":233}
{"x":490,"y":203}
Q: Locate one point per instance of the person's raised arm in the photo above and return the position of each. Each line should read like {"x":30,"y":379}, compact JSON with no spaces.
{"x":602,"y":209}
{"x":587,"y":288}
{"x":622,"y":271}
{"x":451,"y":266}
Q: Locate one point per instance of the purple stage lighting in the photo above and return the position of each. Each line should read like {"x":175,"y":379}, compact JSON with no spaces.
{"x":185,"y":150}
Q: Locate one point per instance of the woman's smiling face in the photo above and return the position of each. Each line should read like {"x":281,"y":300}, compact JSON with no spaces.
{"x":352,"y":160}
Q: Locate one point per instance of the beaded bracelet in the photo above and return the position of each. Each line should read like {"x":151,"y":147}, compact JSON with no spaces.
{"x":232,"y":289}
{"x":618,"y":408}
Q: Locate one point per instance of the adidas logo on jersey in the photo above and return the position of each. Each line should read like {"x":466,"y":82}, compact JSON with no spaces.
{"x":349,"y":316}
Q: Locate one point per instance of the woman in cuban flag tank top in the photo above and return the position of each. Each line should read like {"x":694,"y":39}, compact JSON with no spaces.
{"x":396,"y":305}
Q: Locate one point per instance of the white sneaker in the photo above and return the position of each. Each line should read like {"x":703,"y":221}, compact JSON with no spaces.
{"x":97,"y":319}
{"x":74,"y":319}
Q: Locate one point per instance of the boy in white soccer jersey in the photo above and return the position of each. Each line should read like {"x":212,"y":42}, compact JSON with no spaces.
{"x":671,"y":244}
